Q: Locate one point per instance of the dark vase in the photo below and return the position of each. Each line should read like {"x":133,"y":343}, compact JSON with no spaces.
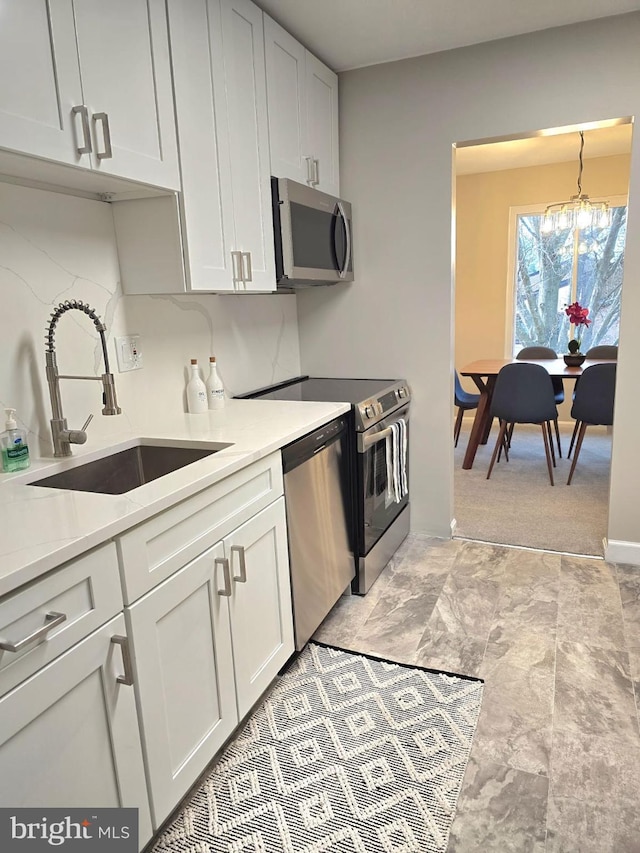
{"x":574,"y":359}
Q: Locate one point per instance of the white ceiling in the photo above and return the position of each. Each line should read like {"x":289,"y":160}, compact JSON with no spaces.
{"x":543,"y":149}
{"x":348,"y":34}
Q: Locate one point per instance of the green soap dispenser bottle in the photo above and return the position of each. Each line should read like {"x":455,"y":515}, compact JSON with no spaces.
{"x":13,"y":445}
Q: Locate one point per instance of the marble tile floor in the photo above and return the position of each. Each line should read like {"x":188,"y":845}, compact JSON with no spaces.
{"x":555,"y":762}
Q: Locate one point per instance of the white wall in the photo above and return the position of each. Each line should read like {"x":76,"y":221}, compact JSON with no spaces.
{"x":55,"y":247}
{"x":398,"y":124}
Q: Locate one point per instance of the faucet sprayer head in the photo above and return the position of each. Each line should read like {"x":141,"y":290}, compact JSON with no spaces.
{"x":109,"y":399}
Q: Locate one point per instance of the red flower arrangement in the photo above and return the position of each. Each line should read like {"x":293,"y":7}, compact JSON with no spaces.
{"x":577,"y":317}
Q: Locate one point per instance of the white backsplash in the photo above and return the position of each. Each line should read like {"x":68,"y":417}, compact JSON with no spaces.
{"x":55,"y":247}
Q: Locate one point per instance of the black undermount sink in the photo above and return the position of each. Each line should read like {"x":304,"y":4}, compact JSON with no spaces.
{"x":124,"y":470}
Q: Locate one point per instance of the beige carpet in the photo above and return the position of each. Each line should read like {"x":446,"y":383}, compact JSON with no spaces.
{"x":518,"y":506}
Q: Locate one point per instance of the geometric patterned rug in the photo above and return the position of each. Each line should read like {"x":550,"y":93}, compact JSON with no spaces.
{"x":346,"y":753}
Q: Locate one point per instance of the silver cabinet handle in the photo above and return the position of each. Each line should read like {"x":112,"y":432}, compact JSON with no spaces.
{"x":239,"y":550}
{"x":236,"y":267}
{"x":123,"y":642}
{"x":51,"y":621}
{"x":316,"y":172}
{"x":310,"y":162}
{"x":103,"y":118}
{"x":248,"y":276}
{"x":347,"y":231}
{"x":86,"y":132}
{"x":222,"y":561}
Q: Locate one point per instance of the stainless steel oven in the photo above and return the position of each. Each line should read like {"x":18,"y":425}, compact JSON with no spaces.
{"x":378,"y":522}
{"x":382,"y":520}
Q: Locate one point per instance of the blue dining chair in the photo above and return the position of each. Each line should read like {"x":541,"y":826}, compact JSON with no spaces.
{"x":558,"y":386}
{"x":603,"y":351}
{"x":465,"y":401}
{"x":600,"y":351}
{"x":523,"y":394}
{"x":592,"y":404}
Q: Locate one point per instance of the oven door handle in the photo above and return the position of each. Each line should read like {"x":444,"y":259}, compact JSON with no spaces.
{"x":366,"y":441}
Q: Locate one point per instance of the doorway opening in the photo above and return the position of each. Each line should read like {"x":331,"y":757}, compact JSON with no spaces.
{"x":511,"y":289}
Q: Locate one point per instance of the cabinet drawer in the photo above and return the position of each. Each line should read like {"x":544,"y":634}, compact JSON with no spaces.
{"x":154,"y":550}
{"x":86,"y":591}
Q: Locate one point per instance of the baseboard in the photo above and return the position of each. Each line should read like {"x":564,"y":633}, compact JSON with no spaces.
{"x":619,"y":551}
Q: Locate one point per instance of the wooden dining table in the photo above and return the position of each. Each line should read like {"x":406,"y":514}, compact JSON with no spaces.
{"x":484,"y":374}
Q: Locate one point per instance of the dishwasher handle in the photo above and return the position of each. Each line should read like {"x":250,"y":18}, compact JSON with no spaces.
{"x":310,"y":445}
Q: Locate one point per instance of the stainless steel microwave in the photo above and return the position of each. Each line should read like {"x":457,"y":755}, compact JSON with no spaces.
{"x":312,"y":234}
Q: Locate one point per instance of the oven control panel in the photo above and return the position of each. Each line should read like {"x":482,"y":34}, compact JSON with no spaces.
{"x":369,"y":412}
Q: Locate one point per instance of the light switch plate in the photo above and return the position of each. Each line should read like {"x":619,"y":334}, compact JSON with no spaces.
{"x":128,"y":353}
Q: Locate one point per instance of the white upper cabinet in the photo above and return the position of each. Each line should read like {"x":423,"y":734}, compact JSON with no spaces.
{"x":40,"y":80}
{"x":126,"y":80}
{"x":245,"y":84}
{"x":286,"y":93}
{"x":322,"y":124}
{"x":221,"y":106}
{"x":88,"y":83}
{"x":206,"y":201}
{"x":303,"y":112}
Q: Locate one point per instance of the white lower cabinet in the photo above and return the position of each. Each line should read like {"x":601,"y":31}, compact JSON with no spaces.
{"x":207,"y":643}
{"x":130,"y":712}
{"x":260,"y":602}
{"x":69,"y":734}
{"x":184,"y":676}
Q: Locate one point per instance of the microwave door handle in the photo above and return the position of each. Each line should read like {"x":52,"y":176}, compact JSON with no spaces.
{"x":347,"y":258}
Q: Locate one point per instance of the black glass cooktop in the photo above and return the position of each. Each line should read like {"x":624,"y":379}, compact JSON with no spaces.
{"x":323,"y":390}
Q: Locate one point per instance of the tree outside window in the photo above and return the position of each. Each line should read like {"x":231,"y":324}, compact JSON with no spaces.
{"x":554,"y":270}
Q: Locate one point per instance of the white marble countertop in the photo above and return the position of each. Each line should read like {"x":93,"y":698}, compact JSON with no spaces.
{"x":41,"y":528}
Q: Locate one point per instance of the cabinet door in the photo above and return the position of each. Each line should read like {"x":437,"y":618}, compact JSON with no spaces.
{"x":40,"y":80}
{"x":184,"y":677}
{"x":261,"y":614}
{"x":286,"y":101}
{"x":207,"y":201}
{"x":69,"y":735}
{"x":123,"y":53}
{"x":246,"y":93}
{"x":322,"y":123}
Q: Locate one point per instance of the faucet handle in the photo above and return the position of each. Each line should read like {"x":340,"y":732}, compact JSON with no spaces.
{"x":79,"y":436}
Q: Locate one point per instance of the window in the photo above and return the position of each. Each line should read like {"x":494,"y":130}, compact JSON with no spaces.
{"x":553,"y":270}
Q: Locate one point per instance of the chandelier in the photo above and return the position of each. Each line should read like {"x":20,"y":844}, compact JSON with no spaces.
{"x":579,"y":211}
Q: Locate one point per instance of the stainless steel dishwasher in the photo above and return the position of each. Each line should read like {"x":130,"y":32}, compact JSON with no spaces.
{"x":318,"y":500}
